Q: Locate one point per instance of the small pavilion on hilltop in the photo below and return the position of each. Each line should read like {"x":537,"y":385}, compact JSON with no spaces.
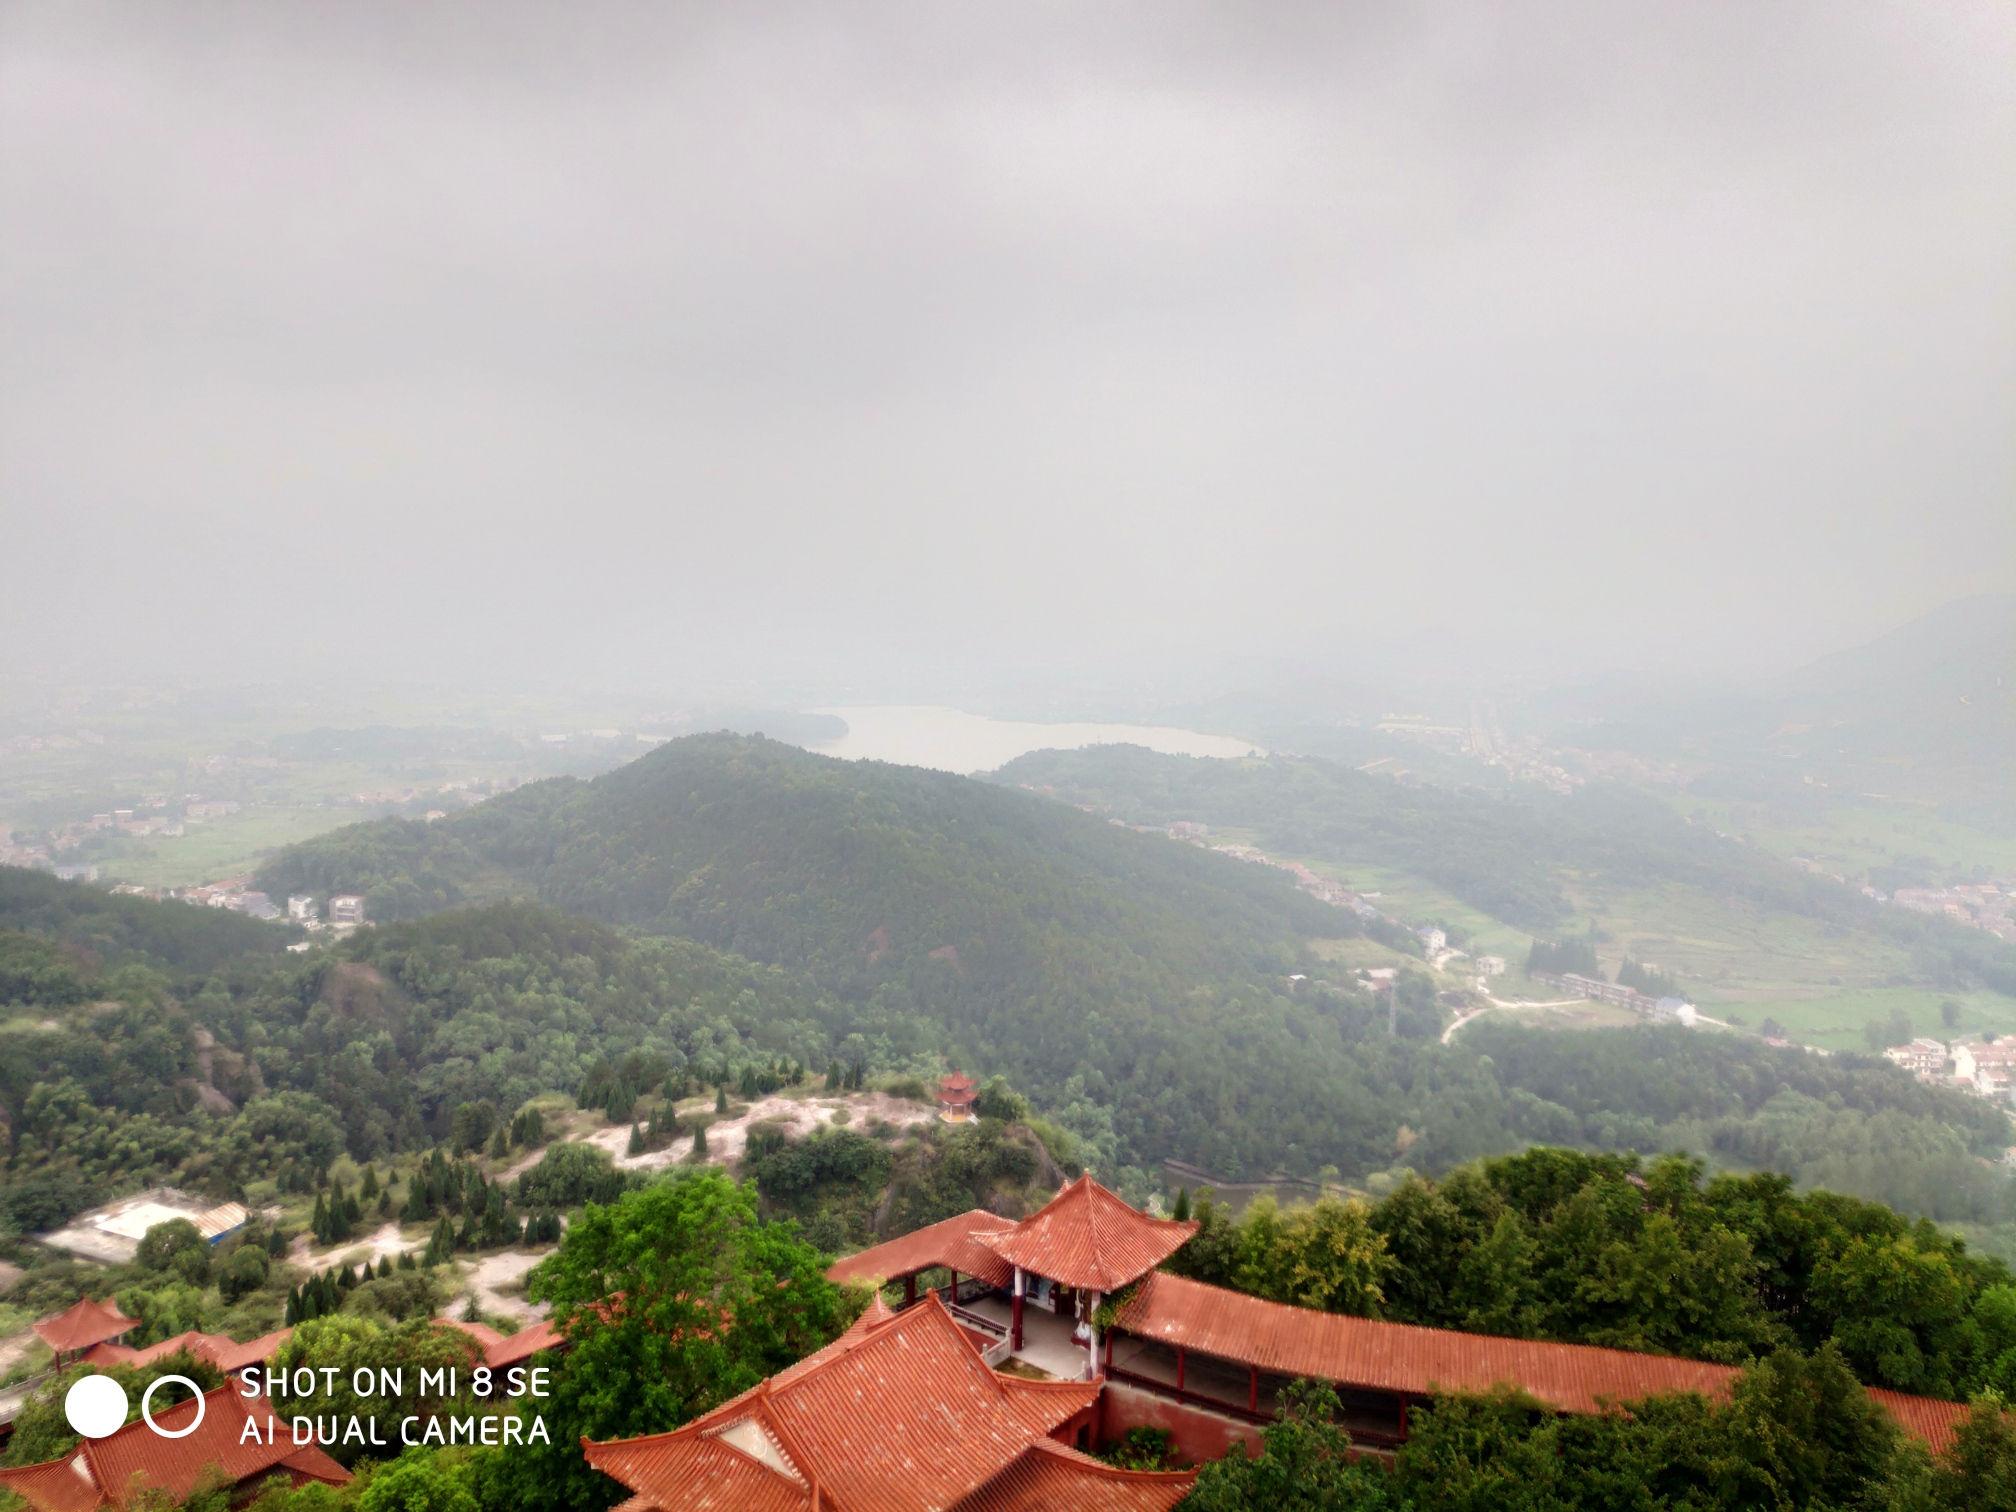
{"x":87,"y":1323}
{"x":955,"y":1098}
{"x":1084,"y":1245}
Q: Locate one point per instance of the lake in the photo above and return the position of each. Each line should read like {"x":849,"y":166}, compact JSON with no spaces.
{"x":952,"y":740}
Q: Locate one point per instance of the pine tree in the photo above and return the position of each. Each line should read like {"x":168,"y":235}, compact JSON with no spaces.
{"x":318,"y":1222}
{"x":275,"y":1245}
{"x":749,"y":1087}
{"x":699,"y":1141}
{"x":385,"y":1203}
{"x":384,"y":1267}
{"x":500,"y":1147}
{"x":721,"y":1098}
{"x":368,"y":1187}
{"x":636,"y":1140}
{"x":1182,"y":1210}
{"x":833,"y":1076}
{"x":406,"y":1261}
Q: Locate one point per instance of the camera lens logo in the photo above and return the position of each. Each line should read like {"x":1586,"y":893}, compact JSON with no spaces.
{"x":96,"y":1406}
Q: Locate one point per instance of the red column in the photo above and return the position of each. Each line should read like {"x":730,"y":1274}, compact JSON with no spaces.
{"x":954,"y":1299}
{"x":1253,"y":1390}
{"x":1179,"y":1367}
{"x":1015,"y":1324}
{"x":909,"y":1290}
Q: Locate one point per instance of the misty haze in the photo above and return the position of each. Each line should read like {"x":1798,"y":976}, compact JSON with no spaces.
{"x":1164,"y":756}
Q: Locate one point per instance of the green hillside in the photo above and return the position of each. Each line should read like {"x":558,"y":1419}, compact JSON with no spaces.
{"x":111,"y":928}
{"x":1529,"y":858}
{"x":1077,"y":957}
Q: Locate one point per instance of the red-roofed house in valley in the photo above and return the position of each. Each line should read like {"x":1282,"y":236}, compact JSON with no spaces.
{"x":115,"y":1471}
{"x":85,"y":1324}
{"x":900,"y":1414}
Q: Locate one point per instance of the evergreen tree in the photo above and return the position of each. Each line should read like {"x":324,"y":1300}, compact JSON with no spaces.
{"x":385,"y":1203}
{"x":1181,"y":1212}
{"x":275,"y":1245}
{"x":749,"y":1087}
{"x":500,"y":1145}
{"x":407,"y":1262}
{"x":368,"y":1187}
{"x":636,"y":1140}
{"x":318,"y":1221}
{"x":721,"y":1098}
{"x":384,"y":1267}
{"x":699,"y":1141}
{"x":833,"y":1076}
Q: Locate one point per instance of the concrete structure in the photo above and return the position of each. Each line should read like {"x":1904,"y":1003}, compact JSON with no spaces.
{"x":111,"y":1234}
{"x":301,"y":908}
{"x":346,"y":908}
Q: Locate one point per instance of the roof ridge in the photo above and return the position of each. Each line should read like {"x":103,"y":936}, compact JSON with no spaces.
{"x":1048,"y":1445}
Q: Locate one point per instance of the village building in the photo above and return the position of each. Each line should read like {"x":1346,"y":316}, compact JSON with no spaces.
{"x":1971,"y":1057}
{"x":1922,"y":1057}
{"x":117,"y":1470}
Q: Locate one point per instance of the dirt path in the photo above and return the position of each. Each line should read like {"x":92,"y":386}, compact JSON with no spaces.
{"x":489,"y":1273}
{"x":385,"y":1240}
{"x":727,"y":1138}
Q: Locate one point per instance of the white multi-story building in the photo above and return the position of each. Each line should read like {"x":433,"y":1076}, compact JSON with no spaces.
{"x":346,"y":908}
{"x":1922,"y":1057}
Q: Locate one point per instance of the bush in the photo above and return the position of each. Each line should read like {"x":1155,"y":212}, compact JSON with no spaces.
{"x":165,"y":1242}
{"x":244,"y":1273}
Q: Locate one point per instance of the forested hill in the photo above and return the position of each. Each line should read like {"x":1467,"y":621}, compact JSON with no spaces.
{"x":1047,"y":944}
{"x":78,"y":929}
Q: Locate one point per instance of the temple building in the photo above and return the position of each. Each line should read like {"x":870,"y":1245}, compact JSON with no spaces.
{"x":955,"y":1098}
{"x":899,"y":1414}
{"x":1209,"y":1365}
{"x":116,"y":1470}
{"x":1036,"y":1285}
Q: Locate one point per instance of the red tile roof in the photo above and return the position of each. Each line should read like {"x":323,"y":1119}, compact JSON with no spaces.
{"x":1927,"y":1418}
{"x":1046,"y":1476}
{"x":954,"y":1244}
{"x":899,"y":1414}
{"x":1087,"y":1237}
{"x":1404,"y":1359}
{"x":116,"y":1469}
{"x":524,"y":1344}
{"x":1399,"y":1357}
{"x":85,"y":1324}
{"x":219,"y":1349}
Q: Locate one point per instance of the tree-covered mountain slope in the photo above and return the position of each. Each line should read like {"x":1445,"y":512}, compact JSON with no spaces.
{"x":1047,"y":944}
{"x":89,"y":926}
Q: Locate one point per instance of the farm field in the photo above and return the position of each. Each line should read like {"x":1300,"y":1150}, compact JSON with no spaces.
{"x":227,"y":846}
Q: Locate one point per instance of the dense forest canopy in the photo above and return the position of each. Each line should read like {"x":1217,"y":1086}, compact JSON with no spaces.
{"x":112,"y":1077}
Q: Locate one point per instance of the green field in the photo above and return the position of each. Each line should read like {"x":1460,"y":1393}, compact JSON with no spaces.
{"x":228,"y":846}
{"x":1835,"y":1021}
{"x":1850,"y":840}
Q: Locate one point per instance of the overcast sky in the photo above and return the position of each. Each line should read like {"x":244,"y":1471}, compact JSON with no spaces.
{"x":674,"y":342}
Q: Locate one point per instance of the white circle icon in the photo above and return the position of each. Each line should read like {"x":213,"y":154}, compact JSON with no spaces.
{"x":95,"y":1406}
{"x":202,"y":1405}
